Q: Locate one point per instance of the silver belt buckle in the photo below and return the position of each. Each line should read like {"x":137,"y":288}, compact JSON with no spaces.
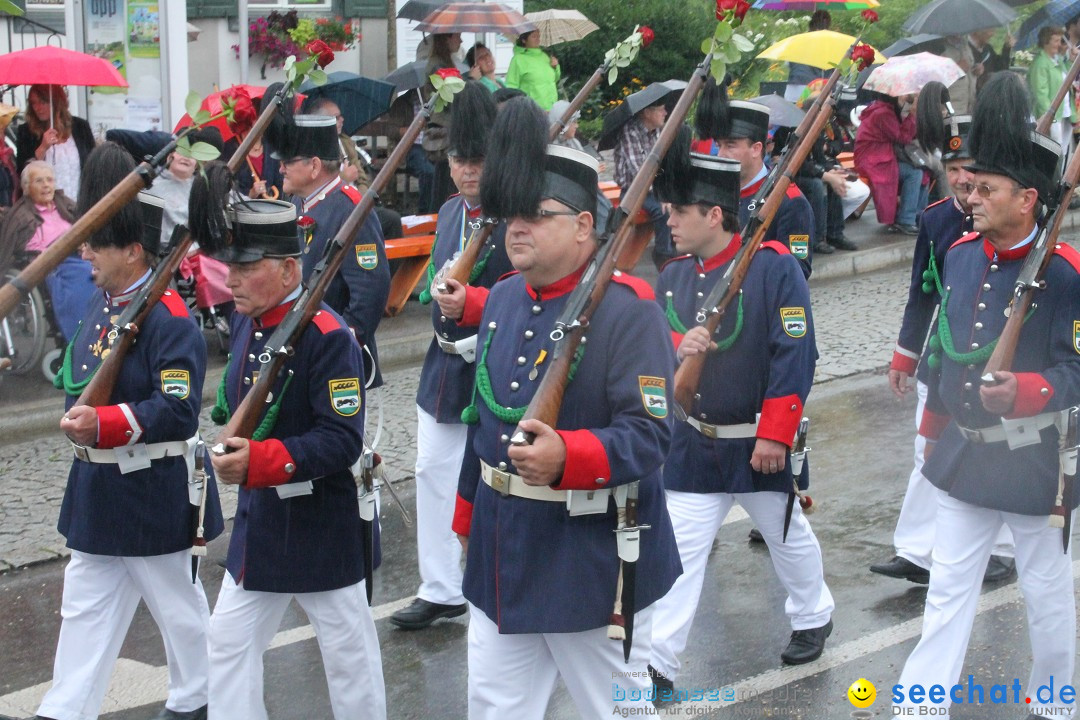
{"x":974,"y":436}
{"x":80,"y":453}
{"x":500,"y":481}
{"x":708,"y":431}
{"x":448,"y":347}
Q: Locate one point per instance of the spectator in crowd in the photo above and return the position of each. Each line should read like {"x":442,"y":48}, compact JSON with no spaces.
{"x":259,"y":177}
{"x":1044,"y":77}
{"x":930,"y":136}
{"x":568,"y":137}
{"x":799,"y":75}
{"x":173,"y":184}
{"x":35,"y":221}
{"x":636,"y":139}
{"x":51,"y":133}
{"x":482,"y":67}
{"x":444,"y":49}
{"x":962,"y":91}
{"x":9,"y":176}
{"x":885,"y":123}
{"x":534,"y":71}
{"x":450,"y":53}
{"x":987,"y":60}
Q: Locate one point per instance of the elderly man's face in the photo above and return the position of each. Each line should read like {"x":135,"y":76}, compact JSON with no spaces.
{"x":42,"y":185}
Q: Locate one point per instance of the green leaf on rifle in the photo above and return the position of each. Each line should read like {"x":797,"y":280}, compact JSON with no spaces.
{"x":192,"y":103}
{"x":204,"y":152}
{"x":612,"y":74}
{"x":446,"y":93}
{"x":317,"y":77}
{"x":436,"y":82}
{"x":289,"y":62}
{"x":731,"y":53}
{"x":718,"y":69}
{"x":742,"y":42}
{"x":183,"y":146}
{"x":706,"y":46}
{"x":202,"y":117}
{"x":723,"y":32}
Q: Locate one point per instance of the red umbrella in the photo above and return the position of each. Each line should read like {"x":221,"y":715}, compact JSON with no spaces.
{"x":50,"y":65}
{"x":476,"y":17}
{"x":212,"y":103}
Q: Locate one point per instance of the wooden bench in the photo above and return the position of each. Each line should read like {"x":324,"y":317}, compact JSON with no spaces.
{"x":643,"y":230}
{"x":414,"y":253}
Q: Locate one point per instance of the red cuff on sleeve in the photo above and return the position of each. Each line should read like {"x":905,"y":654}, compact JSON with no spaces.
{"x":270,"y":464}
{"x":932,"y":424}
{"x":780,"y":419}
{"x":462,"y":522}
{"x":1030,"y":398}
{"x":676,"y":338}
{"x":117,"y":426}
{"x":586,"y":462}
{"x":475,"y":299}
{"x":903,"y":363}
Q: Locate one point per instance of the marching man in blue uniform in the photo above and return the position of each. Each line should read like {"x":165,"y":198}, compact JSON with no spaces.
{"x":131,"y":503}
{"x":945,"y":222}
{"x":993,"y":443}
{"x":741,"y":129}
{"x":310,"y":165}
{"x":735,"y":446}
{"x":297,"y":532}
{"x":446,"y":380}
{"x":542,"y":569}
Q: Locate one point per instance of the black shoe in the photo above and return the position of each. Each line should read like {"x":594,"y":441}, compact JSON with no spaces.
{"x":806,"y":645}
{"x":167,"y":714}
{"x":823,"y":248}
{"x":421,"y":613}
{"x":902,"y":569}
{"x":842,"y":243}
{"x":755,"y":536}
{"x":663,"y":687}
{"x":1000,"y":569}
{"x":904,"y":229}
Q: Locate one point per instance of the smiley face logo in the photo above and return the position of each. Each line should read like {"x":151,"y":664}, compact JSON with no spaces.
{"x":862,"y":693}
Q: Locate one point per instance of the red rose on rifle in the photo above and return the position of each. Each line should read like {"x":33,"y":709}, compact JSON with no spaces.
{"x":240,"y":112}
{"x":322,"y":52}
{"x":722,"y":7}
{"x":740,"y":9}
{"x":448,"y":72}
{"x":869,"y":16}
{"x":647,"y":36}
{"x":863,"y":56}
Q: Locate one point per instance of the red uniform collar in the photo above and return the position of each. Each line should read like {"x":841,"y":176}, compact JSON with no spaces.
{"x":753,"y":187}
{"x":557,"y":288}
{"x":273,"y":316}
{"x":721,"y":258}
{"x":1012,"y":254}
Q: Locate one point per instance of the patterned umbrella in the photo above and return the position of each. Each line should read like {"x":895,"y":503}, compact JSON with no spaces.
{"x":906,"y":74}
{"x":815,"y":4}
{"x":476,"y":17}
{"x":559,"y":26}
{"x":820,"y":48}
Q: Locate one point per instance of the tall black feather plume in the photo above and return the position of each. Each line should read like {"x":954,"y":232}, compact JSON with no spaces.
{"x":513,"y":183}
{"x":280,"y":135}
{"x":103,"y":170}
{"x":711,"y":119}
{"x":1000,"y":123}
{"x":210,"y":193}
{"x":674,"y":180}
{"x":471,"y":116}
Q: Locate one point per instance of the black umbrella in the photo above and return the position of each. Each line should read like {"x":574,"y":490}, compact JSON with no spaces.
{"x":781,"y":112}
{"x":630,"y":107}
{"x":957,"y":17}
{"x":409,"y":76}
{"x":420,"y":9}
{"x":1057,"y":12}
{"x":924,"y":42}
{"x":360,"y":99}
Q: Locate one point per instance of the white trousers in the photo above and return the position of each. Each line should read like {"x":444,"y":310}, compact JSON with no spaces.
{"x":513,"y":676}
{"x":914,"y":534}
{"x":965,"y":536}
{"x":697,"y":518}
{"x":244,"y":623}
{"x":440,"y":448}
{"x":101,"y":594}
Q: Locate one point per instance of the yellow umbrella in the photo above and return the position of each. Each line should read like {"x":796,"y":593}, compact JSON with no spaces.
{"x":821,"y":48}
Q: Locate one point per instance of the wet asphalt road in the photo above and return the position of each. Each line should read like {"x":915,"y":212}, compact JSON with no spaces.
{"x":861,"y":439}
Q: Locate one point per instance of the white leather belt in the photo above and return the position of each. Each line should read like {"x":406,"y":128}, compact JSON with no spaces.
{"x":155,"y":451}
{"x":998,"y":433}
{"x":506,"y":483}
{"x":724,"y":432}
{"x":466,"y":348}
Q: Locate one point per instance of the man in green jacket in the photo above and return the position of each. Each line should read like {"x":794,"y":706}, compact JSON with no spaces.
{"x":533,"y":71}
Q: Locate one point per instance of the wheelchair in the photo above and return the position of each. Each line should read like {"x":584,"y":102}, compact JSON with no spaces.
{"x":29,"y":336}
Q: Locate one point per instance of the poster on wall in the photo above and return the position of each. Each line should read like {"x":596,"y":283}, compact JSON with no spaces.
{"x":127,"y":34}
{"x":144,"y":29}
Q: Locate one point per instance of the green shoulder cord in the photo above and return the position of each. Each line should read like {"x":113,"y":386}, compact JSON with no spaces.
{"x":477,"y":271}
{"x":721,"y":345}
{"x":220,"y":413}
{"x":63,"y":380}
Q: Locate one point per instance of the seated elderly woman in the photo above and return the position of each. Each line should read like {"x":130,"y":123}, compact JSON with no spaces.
{"x":34,"y":223}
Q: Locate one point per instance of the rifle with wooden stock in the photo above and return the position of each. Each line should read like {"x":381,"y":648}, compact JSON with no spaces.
{"x":281,"y":342}
{"x":763,"y":208}
{"x":122,"y":334}
{"x":572,"y":324}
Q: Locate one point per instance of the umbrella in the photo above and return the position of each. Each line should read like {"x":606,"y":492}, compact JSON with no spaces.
{"x":408,"y":76}
{"x":820,"y":48}
{"x":212,"y":104}
{"x":1055,"y":12}
{"x":360,"y":99}
{"x":781,"y":112}
{"x":635,"y":103}
{"x":957,"y":17}
{"x":906,"y":74}
{"x":559,"y":26}
{"x":420,"y":9}
{"x":810,"y":5}
{"x":476,"y":17}
{"x":50,"y":65}
{"x":909,"y":45}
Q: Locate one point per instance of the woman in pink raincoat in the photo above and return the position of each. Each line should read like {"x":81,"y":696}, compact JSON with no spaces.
{"x":884,"y":126}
